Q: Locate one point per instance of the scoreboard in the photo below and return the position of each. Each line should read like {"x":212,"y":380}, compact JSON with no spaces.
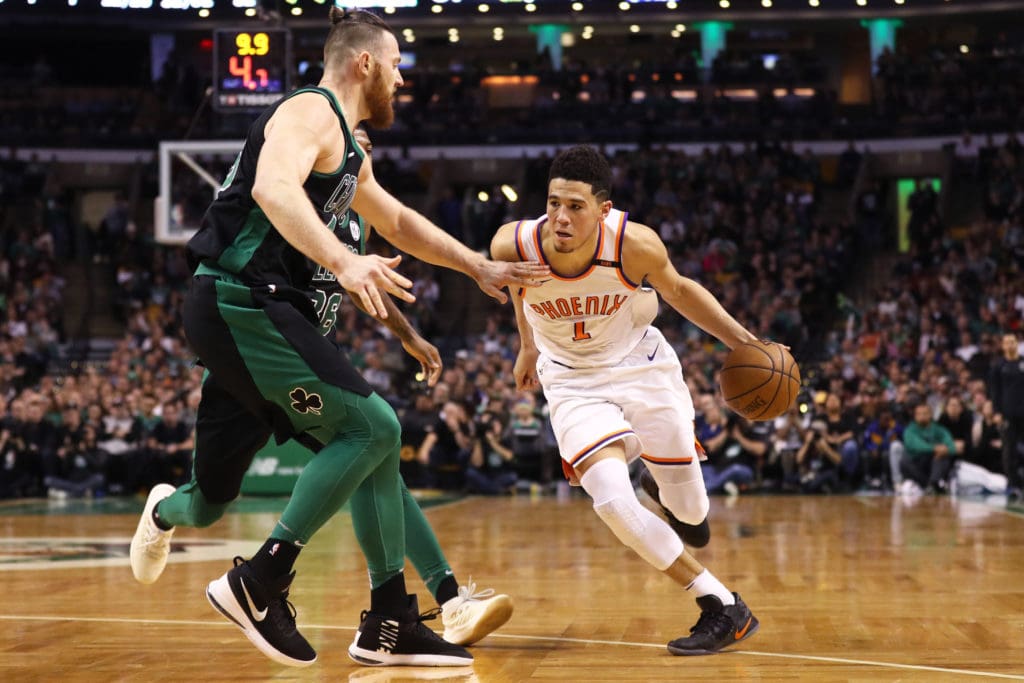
{"x":251,"y":68}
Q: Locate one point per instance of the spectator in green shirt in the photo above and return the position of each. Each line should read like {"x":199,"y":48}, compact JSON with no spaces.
{"x":929,"y":451}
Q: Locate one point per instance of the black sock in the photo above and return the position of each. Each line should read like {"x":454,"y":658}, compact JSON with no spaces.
{"x":390,"y":598}
{"x":160,"y":524}
{"x":446,"y":590}
{"x":274,"y":559}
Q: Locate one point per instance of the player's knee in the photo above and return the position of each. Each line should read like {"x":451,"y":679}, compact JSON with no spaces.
{"x":635,"y":526}
{"x":385,"y":429}
{"x":640,"y":529}
{"x":688,"y":502}
{"x":387,"y":432}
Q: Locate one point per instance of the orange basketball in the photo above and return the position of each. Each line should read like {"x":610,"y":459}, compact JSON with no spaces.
{"x":760,"y":381}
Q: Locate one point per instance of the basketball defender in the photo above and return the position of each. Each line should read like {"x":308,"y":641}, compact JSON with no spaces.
{"x":467,"y":615}
{"x":249,"y":319}
{"x":613,"y":384}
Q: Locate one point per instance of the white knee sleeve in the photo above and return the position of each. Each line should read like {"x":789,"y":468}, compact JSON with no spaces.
{"x":681,"y":489}
{"x":615,"y":503}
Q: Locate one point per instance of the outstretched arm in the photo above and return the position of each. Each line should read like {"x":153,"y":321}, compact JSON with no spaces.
{"x":297,"y":136}
{"x":645,"y":256}
{"x":412,"y":341}
{"x":411,"y":232}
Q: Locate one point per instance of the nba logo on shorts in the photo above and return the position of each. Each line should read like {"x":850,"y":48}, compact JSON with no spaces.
{"x":353,"y":227}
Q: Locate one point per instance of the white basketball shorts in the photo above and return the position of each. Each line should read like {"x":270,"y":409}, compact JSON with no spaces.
{"x":643,"y":401}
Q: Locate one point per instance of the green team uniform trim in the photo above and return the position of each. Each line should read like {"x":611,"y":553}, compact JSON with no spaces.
{"x":240,"y":252}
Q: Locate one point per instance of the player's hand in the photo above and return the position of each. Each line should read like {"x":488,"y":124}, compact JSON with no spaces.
{"x":495,"y":275}
{"x":428,"y":356}
{"x":370,"y":278}
{"x":525,"y":370}
{"x":769,"y":342}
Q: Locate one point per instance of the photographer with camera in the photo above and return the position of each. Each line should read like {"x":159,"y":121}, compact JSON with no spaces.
{"x":817,"y":461}
{"x":790,"y":431}
{"x":447,"y":447}
{"x":491,"y":468}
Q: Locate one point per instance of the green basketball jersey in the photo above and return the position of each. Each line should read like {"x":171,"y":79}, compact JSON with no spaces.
{"x":324,"y":290}
{"x":237,"y":237}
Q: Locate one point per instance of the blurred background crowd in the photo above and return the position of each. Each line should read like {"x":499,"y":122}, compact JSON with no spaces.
{"x":905,"y":310}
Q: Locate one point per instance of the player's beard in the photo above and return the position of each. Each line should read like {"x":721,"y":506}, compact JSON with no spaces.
{"x":379,"y":98}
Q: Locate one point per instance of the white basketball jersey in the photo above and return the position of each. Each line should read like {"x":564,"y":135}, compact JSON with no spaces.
{"x":594,"y":319}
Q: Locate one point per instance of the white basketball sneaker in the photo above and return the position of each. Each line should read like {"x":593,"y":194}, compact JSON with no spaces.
{"x":151,"y":545}
{"x":470,"y":616}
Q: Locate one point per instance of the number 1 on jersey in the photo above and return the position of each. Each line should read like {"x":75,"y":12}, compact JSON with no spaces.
{"x":578,"y":333}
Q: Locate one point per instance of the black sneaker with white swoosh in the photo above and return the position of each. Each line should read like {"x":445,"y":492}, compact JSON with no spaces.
{"x":261,"y":609}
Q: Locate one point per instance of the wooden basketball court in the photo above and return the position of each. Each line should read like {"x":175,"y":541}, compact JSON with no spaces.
{"x":846,"y":588}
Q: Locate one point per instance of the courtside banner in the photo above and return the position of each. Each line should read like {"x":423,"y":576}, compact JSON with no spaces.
{"x":275,"y":469}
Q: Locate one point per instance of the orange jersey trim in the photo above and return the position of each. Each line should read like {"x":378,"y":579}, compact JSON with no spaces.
{"x":588,"y":271}
{"x":536,"y":240}
{"x":519,"y":242}
{"x":567,"y":470}
{"x":603,"y":441}
{"x":625,"y":280}
{"x":677,"y":461}
{"x":629,"y":284}
{"x":622,"y":234}
{"x":666,"y":461}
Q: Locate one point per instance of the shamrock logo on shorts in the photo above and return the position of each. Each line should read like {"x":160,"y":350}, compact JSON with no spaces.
{"x":305,"y":403}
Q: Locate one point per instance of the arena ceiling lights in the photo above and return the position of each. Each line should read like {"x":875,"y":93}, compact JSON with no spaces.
{"x":495,"y":12}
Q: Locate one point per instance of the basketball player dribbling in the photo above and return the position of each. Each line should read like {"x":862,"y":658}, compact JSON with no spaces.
{"x":614,"y":386}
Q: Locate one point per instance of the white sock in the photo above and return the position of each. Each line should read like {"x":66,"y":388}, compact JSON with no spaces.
{"x":707,"y":584}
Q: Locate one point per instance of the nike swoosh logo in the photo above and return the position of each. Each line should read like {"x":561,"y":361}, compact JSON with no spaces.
{"x":257,"y":615}
{"x":351,"y":154}
{"x":655,"y":352}
{"x":743,"y":631}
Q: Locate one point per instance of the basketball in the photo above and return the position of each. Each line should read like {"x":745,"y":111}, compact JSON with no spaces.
{"x":760,"y":381}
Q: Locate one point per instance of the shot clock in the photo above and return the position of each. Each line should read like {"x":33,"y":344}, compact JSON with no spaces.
{"x":250,"y":67}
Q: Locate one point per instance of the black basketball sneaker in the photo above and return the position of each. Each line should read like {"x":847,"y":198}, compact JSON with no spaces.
{"x":386,"y":641}
{"x":263,"y":613}
{"x":693,"y":535}
{"x":719,"y":626}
